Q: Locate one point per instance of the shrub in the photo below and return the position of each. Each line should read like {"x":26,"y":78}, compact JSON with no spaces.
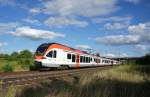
{"x":25,"y":63}
{"x":7,"y":68}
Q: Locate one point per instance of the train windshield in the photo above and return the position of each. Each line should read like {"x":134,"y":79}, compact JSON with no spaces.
{"x":41,"y":50}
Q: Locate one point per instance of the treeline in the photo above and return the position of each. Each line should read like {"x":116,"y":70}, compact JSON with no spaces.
{"x":17,"y":55}
{"x":145,"y":60}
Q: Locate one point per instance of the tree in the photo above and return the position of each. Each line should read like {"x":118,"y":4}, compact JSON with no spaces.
{"x":14,"y":55}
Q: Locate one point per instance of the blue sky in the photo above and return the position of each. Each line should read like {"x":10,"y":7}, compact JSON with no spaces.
{"x":111,"y":27}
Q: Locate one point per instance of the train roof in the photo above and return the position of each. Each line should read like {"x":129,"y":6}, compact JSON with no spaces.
{"x":73,"y":49}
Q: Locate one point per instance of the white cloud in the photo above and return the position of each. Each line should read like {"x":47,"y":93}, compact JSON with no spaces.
{"x":142,"y":29}
{"x":110,"y":55}
{"x":118,"y":39}
{"x":34,"y":10}
{"x":140,"y":47}
{"x":87,"y":8}
{"x":123,"y":55}
{"x":62,"y":21}
{"x":35,"y":34}
{"x":137,"y":34}
{"x":112,"y":19}
{"x":4,"y":27}
{"x":83,"y":46}
{"x":133,"y":1}
{"x":2,"y":44}
{"x":28,"y":20}
{"x":116,"y":26}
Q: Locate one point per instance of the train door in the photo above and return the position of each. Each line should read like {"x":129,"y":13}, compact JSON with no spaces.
{"x":51,"y":57}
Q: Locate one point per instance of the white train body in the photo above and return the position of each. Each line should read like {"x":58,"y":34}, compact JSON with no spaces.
{"x":56,"y":55}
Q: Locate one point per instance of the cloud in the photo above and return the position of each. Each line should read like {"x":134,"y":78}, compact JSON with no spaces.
{"x":123,"y":55}
{"x":137,"y":34}
{"x":62,"y":21}
{"x":2,"y":44}
{"x":34,"y":10}
{"x":87,"y":8}
{"x":140,"y":47}
{"x":111,"y":55}
{"x":83,"y":46}
{"x":35,"y":34}
{"x":116,"y":26}
{"x":118,"y":39}
{"x":142,"y":29}
{"x":112,"y":19}
{"x":32,"y":21}
{"x":4,"y":27}
{"x":133,"y":1}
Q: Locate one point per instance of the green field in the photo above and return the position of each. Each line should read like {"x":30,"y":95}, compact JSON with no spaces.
{"x":120,"y":81}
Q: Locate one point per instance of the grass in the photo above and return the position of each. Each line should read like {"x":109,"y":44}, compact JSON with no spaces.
{"x":120,"y":81}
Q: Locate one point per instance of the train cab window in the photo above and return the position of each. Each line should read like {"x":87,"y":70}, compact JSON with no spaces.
{"x":68,"y":56}
{"x":73,"y":58}
{"x":50,"y":54}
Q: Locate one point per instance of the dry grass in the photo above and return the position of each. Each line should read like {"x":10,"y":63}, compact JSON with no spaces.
{"x":121,"y":81}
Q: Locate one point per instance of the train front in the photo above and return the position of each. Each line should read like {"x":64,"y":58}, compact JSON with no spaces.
{"x":39,"y":55}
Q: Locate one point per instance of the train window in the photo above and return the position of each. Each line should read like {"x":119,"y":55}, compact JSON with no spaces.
{"x":94,"y":60}
{"x":84,"y":59}
{"x":91,"y":59}
{"x":68,"y":56}
{"x":54,"y":54}
{"x":50,"y":54}
{"x":87,"y":59}
{"x":103,"y":61}
{"x":73,"y":58}
{"x":81,"y":59}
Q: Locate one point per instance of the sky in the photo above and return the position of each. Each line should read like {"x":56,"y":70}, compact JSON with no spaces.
{"x":114,"y":28}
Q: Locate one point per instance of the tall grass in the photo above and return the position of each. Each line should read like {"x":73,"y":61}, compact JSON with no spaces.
{"x":8,"y":68}
{"x":121,"y":81}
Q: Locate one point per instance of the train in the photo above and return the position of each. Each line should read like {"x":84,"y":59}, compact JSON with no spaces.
{"x":55,"y":55}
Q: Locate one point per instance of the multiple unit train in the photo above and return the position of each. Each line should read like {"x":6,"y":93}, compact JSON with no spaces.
{"x":55,"y":55}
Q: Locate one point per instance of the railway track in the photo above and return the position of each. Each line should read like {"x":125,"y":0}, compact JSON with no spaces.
{"x":27,"y":78}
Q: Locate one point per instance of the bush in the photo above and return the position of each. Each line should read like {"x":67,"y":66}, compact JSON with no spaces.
{"x":25,"y":63}
{"x":7,"y":68}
